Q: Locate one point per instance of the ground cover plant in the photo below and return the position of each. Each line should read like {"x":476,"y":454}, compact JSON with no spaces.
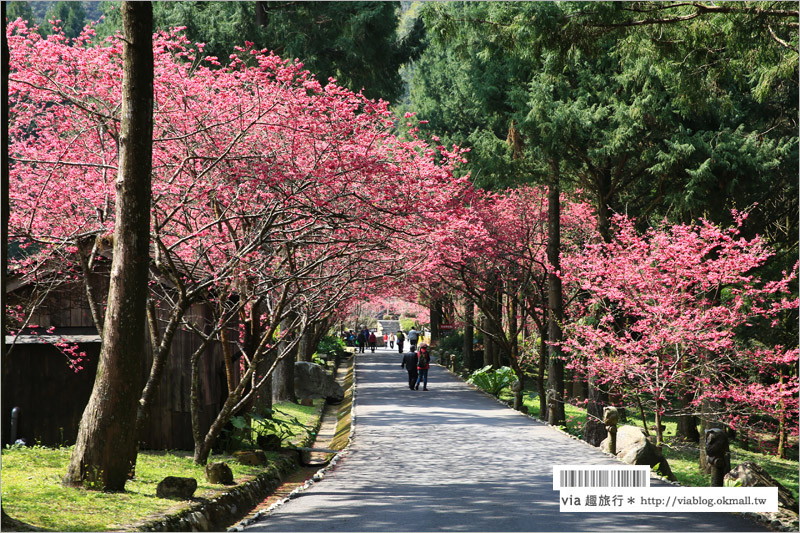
{"x":32,"y":492}
{"x":683,"y":457}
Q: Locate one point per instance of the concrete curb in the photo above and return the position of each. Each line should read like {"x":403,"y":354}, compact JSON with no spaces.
{"x":212,"y":514}
{"x":215,"y":513}
{"x":319,"y":475}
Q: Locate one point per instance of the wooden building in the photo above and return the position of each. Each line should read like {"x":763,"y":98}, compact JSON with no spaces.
{"x":51,"y":396}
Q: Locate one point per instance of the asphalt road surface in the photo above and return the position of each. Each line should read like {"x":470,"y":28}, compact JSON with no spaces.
{"x":453,"y":459}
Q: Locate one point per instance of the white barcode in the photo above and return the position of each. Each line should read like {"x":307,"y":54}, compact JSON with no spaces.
{"x":602,"y":476}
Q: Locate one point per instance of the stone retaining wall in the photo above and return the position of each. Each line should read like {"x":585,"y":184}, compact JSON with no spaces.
{"x":216,"y":513}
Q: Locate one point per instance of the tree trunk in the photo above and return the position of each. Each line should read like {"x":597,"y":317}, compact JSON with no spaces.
{"x":687,"y":424}
{"x":687,"y":429}
{"x":469,"y":333}
{"x":604,"y":193}
{"x":595,"y":431}
{"x":283,"y":377}
{"x":261,"y":14}
{"x":659,"y":427}
{"x":435,"y":309}
{"x":540,"y":375}
{"x":555,"y":370}
{"x":106,"y":446}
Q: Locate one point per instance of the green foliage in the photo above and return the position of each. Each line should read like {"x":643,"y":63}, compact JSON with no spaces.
{"x":72,"y":16}
{"x":357,"y":43}
{"x":331,"y":344}
{"x":492,"y":381}
{"x":23,"y":10}
{"x":676,"y":120}
{"x":282,"y":421}
{"x":407,"y":323}
{"x":452,"y":343}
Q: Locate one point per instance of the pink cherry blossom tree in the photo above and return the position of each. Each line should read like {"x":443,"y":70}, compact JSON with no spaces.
{"x":264,"y":186}
{"x":668,"y":304}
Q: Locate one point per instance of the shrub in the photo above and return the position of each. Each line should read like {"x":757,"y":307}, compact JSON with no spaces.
{"x":331,"y":344}
{"x":493,"y":381}
{"x":452,"y":343}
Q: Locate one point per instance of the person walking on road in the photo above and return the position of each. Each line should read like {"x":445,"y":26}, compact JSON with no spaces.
{"x":413,"y":339}
{"x":400,"y":340}
{"x":373,"y":341}
{"x":391,"y":341}
{"x":423,"y":364}
{"x":363,"y":339}
{"x":410,"y":364}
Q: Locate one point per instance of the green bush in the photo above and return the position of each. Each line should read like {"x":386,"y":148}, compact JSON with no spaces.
{"x":407,"y":323}
{"x":331,"y":344}
{"x":452,"y":343}
{"x":492,"y":381}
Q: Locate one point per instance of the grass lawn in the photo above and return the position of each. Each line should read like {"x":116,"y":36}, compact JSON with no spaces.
{"x":684,"y":459}
{"x":31,"y":489}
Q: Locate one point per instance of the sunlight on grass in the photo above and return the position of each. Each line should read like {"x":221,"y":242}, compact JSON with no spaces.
{"x":684,"y":459}
{"x":31,"y":489}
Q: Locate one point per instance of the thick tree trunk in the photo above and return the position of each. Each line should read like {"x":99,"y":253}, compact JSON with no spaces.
{"x":604,"y":193}
{"x":687,"y":429}
{"x":435,"y":310}
{"x":540,"y":378}
{"x":306,"y":348}
{"x":555,"y":371}
{"x":106,"y":446}
{"x":687,"y":424}
{"x":262,"y":400}
{"x":261,"y":14}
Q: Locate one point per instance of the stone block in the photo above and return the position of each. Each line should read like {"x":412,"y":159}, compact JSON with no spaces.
{"x":250,"y":457}
{"x":633,"y":447}
{"x":181,"y":488}
{"x":219,"y":473}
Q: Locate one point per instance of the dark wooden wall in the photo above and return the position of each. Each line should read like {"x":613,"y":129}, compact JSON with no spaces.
{"x":51,"y":396}
{"x":170,"y":424}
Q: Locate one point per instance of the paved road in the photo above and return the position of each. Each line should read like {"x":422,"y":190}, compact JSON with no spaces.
{"x":453,"y":459}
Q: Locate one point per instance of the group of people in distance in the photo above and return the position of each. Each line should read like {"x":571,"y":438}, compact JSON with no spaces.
{"x":360,"y":340}
{"x":417,"y":364}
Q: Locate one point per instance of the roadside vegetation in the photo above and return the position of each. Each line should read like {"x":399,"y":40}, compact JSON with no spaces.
{"x":683,"y":457}
{"x":32,"y":491}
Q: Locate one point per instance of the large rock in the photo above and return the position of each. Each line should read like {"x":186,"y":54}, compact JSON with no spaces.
{"x":269,"y":443}
{"x":181,"y":488}
{"x":635,"y":448}
{"x":250,"y":457}
{"x":312,"y":381}
{"x":219,"y":473}
{"x":749,"y":474}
